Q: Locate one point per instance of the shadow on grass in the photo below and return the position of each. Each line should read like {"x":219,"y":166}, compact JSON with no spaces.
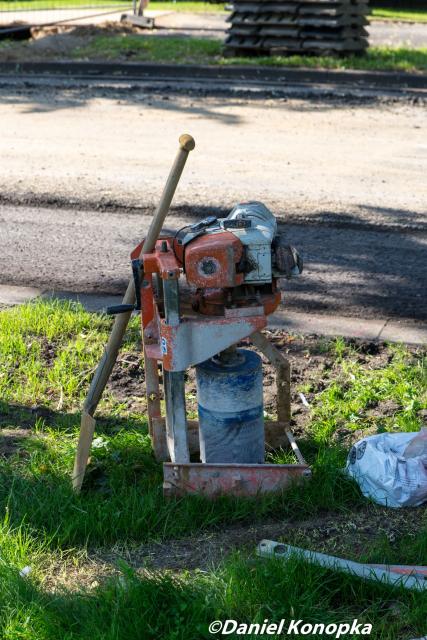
{"x":181,"y":607}
{"x":178,"y":607}
{"x":22,"y":417}
{"x":122,"y":497}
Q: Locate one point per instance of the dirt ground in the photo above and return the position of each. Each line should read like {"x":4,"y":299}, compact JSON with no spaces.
{"x":348,"y":534}
{"x":310,"y":363}
{"x":98,"y":144}
{"x":60,"y":41}
{"x":308,"y":357}
{"x":348,"y":177}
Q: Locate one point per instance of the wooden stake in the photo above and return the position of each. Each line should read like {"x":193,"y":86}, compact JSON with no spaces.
{"x":109,"y":357}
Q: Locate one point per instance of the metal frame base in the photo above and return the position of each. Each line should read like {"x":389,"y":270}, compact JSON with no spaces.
{"x":182,"y":477}
{"x":213,"y":480}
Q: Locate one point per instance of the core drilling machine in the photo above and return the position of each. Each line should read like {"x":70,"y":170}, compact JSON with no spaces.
{"x":201,"y":291}
{"x":231,"y":267}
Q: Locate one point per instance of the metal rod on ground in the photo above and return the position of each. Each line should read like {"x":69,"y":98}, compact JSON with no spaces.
{"x":270,"y":548}
{"x":105,"y":366}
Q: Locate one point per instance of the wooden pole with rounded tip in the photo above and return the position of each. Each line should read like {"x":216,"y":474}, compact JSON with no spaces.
{"x":109,"y":357}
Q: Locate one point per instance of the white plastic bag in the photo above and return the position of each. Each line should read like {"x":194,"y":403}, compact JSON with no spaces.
{"x":383,"y":472}
{"x":417,"y":448}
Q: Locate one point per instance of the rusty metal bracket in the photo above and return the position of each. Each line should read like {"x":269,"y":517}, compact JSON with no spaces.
{"x":193,"y":341}
{"x":283,"y":375}
{"x":182,"y":342}
{"x":283,"y":384}
{"x":213,"y":480}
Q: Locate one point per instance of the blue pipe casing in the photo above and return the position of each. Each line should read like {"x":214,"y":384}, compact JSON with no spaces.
{"x":231,"y":413}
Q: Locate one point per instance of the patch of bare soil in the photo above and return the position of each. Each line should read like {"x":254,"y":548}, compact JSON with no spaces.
{"x":127,"y":381}
{"x":384,"y":408}
{"x":11,"y":441}
{"x":311,"y":362}
{"x":347,"y":535}
{"x":48,"y":351}
{"x":60,"y":41}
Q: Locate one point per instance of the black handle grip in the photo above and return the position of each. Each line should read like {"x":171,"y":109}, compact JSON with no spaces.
{"x":120,"y":308}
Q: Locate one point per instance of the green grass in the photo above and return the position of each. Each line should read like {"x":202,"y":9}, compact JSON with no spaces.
{"x":28,"y":5}
{"x":30,"y":335}
{"x":346,"y":399}
{"x":180,"y":607}
{"x":205,"y":51}
{"x":151,"y":49}
{"x":48,"y":353}
{"x":399,"y":14}
{"x":184,"y":50}
{"x":375,"y":59}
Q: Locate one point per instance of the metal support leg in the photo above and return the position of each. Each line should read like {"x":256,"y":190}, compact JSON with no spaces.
{"x":152,"y":391}
{"x":176,"y":420}
{"x":283,"y":375}
{"x":283,"y":381}
{"x":283,"y":385}
{"x":174,"y":386}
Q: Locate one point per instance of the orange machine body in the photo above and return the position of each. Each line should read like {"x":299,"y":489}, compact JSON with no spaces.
{"x":212,"y":261}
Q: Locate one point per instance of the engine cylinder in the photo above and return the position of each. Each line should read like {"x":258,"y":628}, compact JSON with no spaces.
{"x":230,"y":405}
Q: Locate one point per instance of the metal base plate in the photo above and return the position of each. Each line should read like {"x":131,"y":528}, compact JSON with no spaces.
{"x":213,"y":480}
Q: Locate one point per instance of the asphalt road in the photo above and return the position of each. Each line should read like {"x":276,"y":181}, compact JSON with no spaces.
{"x":363,"y":273}
{"x":347,"y":177}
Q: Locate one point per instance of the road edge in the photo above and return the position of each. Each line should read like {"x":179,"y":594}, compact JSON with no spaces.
{"x":295,"y":322}
{"x":387,"y":80}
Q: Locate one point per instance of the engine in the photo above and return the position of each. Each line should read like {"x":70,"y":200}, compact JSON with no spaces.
{"x":237,"y":260}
